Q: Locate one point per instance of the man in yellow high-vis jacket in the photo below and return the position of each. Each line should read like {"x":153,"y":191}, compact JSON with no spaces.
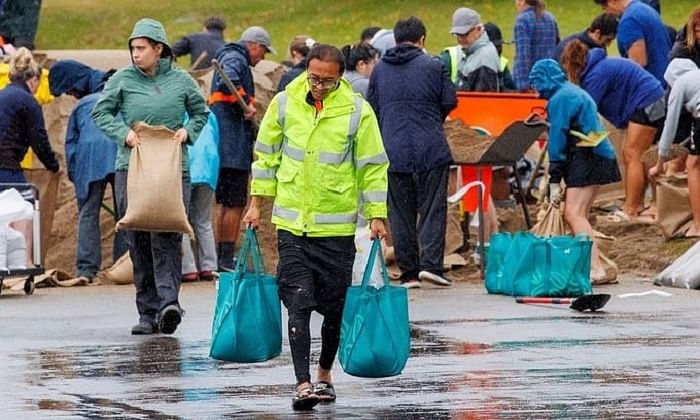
{"x":319,"y":151}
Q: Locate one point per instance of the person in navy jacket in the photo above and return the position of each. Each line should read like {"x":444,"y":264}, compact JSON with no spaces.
{"x":90,"y":158}
{"x":412,"y":95}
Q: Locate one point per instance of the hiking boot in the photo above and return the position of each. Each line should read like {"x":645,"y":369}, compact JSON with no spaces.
{"x":169,"y":318}
{"x":434,"y":278}
{"x":144,"y":328}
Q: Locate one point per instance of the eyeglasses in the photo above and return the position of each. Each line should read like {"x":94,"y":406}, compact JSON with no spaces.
{"x":323,"y":84}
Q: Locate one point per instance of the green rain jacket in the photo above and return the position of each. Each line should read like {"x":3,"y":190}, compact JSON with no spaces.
{"x":317,"y":165}
{"x":163,"y":99}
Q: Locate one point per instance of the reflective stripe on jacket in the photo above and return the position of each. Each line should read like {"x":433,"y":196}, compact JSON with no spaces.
{"x":317,"y":166}
{"x":456,"y":53}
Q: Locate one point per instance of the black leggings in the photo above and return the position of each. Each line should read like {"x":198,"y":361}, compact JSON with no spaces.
{"x":300,"y":342}
{"x":313,"y":274}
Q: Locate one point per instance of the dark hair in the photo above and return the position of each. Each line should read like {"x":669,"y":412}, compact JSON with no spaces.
{"x":605,"y":23}
{"x":166,"y":53}
{"x":538,"y":5}
{"x":356,"y":53}
{"x":368,"y":33}
{"x":601,"y":2}
{"x":409,"y":30}
{"x":573,"y":60}
{"x":327,"y":53}
{"x":215,"y":24}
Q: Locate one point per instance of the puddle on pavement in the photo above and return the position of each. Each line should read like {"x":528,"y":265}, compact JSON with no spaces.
{"x":445,"y":378}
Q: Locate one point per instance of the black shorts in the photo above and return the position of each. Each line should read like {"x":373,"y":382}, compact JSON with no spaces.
{"x":232,"y":187}
{"x":587,"y":168}
{"x":652,"y":115}
{"x":314,"y":273}
{"x":694,"y":146}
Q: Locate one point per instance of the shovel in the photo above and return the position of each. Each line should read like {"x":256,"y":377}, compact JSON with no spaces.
{"x":591,"y":302}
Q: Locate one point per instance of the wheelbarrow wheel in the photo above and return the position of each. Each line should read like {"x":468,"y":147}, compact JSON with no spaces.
{"x":29,"y":286}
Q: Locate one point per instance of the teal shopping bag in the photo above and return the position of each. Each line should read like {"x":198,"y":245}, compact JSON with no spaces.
{"x":375,"y":337}
{"x":559,"y":266}
{"x":524,"y":264}
{"x":505,"y":255}
{"x":247,"y":324}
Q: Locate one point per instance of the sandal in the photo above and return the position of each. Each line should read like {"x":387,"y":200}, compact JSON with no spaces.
{"x":324,"y":391}
{"x":619,"y":216}
{"x":305,"y":399}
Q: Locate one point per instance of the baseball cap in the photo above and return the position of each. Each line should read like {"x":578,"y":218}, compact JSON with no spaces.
{"x":260,"y":36}
{"x":494,"y":33}
{"x":464,"y":20}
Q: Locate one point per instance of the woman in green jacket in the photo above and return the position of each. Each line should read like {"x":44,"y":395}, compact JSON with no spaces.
{"x":153,"y":92}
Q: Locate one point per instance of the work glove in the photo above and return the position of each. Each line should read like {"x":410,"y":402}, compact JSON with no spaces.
{"x":555,"y":195}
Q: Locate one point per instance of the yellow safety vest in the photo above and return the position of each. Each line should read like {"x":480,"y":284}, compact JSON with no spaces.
{"x":456,"y":54}
{"x":317,"y":165}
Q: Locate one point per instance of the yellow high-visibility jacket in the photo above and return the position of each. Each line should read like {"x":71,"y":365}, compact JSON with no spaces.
{"x":318,"y":165}
{"x":43,"y":94}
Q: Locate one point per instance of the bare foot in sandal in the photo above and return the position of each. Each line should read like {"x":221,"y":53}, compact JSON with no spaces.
{"x":304,"y":399}
{"x":649,"y":212}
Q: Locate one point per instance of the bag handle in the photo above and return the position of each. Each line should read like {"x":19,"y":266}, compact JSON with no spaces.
{"x":376,"y":249}
{"x":250,"y":249}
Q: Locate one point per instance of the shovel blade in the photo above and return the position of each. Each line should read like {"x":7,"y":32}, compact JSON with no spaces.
{"x":590,"y":302}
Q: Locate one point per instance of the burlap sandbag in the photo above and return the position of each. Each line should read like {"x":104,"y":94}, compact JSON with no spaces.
{"x":674,"y":215}
{"x":551,"y":223}
{"x":48,"y":183}
{"x":121,"y":272}
{"x":154,"y":184}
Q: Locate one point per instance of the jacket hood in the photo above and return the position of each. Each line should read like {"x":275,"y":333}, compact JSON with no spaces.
{"x":383,"y":41}
{"x":151,"y":29}
{"x":547,"y":77}
{"x":595,"y":56}
{"x":480,"y":42}
{"x":71,"y":76}
{"x":401,"y":54}
{"x":240,"y":48}
{"x":677,"y":68}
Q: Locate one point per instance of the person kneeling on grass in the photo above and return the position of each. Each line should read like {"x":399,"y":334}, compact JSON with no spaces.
{"x":318,"y":148}
{"x":579,"y":151}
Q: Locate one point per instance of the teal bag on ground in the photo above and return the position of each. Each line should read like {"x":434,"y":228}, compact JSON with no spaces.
{"x":247,"y":324}
{"x":504,"y":251}
{"x":375,"y":336}
{"x":527,"y":265}
{"x":559,"y":266}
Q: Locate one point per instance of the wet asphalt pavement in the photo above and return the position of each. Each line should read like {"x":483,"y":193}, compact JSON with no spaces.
{"x":67,"y":353}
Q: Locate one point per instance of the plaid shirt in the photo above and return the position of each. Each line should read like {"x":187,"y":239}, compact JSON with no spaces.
{"x":535,"y":38}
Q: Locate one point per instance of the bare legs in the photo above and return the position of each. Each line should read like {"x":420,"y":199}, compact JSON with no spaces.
{"x":637,"y":140}
{"x":693,"y":166}
{"x":578,"y":204}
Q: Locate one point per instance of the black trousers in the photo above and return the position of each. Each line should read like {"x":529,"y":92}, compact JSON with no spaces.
{"x":418,"y":219}
{"x":314,"y":274}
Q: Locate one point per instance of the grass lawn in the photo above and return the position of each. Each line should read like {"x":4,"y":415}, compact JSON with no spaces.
{"x":97,"y":24}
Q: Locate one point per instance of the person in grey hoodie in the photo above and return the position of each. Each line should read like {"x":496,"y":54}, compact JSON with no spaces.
{"x":359,"y":63}
{"x":476,"y":59}
{"x":683,"y":76}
